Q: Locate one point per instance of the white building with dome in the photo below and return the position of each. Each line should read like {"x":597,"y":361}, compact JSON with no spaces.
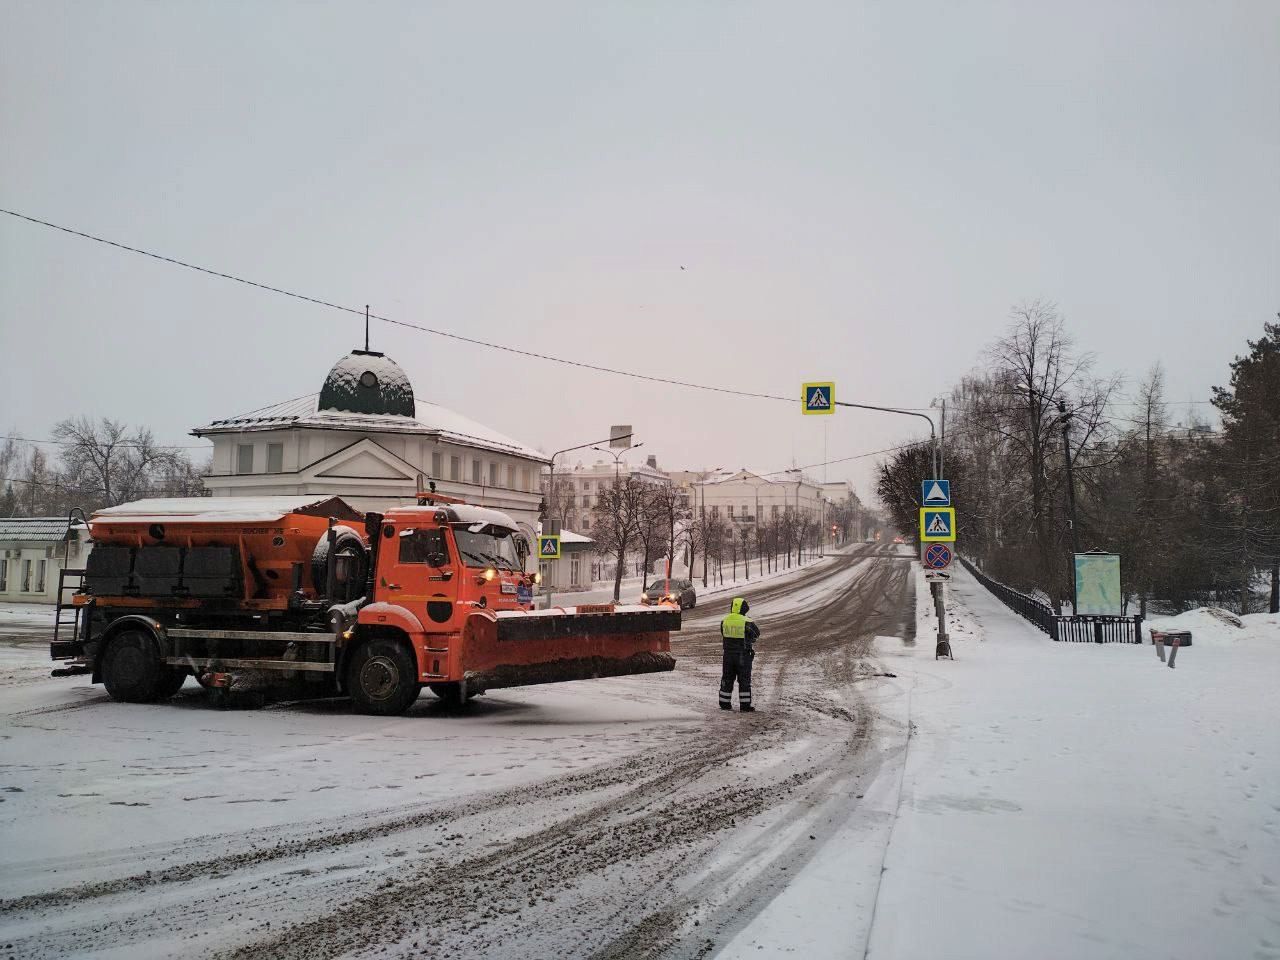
{"x":366,"y":438}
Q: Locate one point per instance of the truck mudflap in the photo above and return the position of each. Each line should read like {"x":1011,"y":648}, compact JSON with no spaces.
{"x":554,"y":646}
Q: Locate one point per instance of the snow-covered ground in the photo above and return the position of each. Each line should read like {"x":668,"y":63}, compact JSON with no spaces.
{"x":631,"y":586}
{"x":1077,"y":800}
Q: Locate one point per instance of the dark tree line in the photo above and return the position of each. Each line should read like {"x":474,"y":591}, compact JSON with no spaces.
{"x":92,"y":464}
{"x":1194,"y":512}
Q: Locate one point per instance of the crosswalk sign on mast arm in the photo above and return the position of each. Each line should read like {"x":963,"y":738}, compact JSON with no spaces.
{"x":819,"y":397}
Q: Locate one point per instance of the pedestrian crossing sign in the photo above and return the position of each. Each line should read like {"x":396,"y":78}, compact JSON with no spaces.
{"x":549,"y":547}
{"x":937,"y":524}
{"x":819,"y":398}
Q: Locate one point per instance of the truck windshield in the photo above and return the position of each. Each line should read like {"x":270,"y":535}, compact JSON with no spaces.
{"x":489,"y":547}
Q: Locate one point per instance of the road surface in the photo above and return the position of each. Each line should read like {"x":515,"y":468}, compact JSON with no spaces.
{"x":618,"y":818}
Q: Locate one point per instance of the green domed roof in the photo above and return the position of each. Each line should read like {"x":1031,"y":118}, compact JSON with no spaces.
{"x":367,"y":382}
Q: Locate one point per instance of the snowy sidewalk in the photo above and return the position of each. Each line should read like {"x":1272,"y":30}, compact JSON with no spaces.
{"x":1080,"y":801}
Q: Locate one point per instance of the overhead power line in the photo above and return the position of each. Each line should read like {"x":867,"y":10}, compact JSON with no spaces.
{"x":360,"y":312}
{"x":127,"y":445}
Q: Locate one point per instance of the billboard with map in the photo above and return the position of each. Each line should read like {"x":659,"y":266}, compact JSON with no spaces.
{"x":1098,"y":584}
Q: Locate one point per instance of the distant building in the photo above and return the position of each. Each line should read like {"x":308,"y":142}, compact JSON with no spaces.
{"x":747,"y":497}
{"x":578,"y":488}
{"x":32,"y":552}
{"x":367,"y":439}
{"x":573,"y":571}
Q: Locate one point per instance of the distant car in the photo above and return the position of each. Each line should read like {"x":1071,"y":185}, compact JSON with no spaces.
{"x":898,"y":540}
{"x":681,"y":592}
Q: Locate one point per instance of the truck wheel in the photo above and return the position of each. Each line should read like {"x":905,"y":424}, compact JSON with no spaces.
{"x":382,"y":677}
{"x":131,"y":668}
{"x":171,"y":682}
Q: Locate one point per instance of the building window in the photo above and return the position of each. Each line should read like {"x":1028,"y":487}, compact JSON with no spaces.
{"x":586,"y":501}
{"x":586,"y":484}
{"x":745,"y":512}
{"x":275,"y":458}
{"x":575,"y":570}
{"x":511,"y":477}
{"x":475,"y":472}
{"x":715,"y":510}
{"x":437,"y":465}
{"x":493,"y":474}
{"x":571,"y":501}
{"x":586,"y":524}
{"x":524,"y":479}
{"x":26,"y":576}
{"x":773,"y":511}
{"x":244,"y":458}
{"x":4,"y":575}
{"x":42,"y":568}
{"x":731,"y":511}
{"x":455,"y":468}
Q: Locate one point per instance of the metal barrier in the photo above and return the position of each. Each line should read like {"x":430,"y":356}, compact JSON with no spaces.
{"x":1098,"y":629}
{"x":1073,"y":629}
{"x":1040,"y":614}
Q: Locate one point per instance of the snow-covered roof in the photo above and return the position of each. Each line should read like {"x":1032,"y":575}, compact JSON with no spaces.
{"x":470,"y":514}
{"x":761,"y":476}
{"x":226,"y":509}
{"x":36,"y":529}
{"x":568,"y":536}
{"x":432,"y":420}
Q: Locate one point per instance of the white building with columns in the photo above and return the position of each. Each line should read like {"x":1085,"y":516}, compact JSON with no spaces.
{"x":366,"y":438}
{"x":748,"y":497}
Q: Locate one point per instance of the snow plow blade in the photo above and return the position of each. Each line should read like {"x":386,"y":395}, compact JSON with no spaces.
{"x":584,"y":643}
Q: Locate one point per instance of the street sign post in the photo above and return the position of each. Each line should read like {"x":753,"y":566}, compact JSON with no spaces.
{"x":819,"y":398}
{"x":936,"y":556}
{"x":937,"y":524}
{"x":935,"y":493}
{"x":549,"y":547}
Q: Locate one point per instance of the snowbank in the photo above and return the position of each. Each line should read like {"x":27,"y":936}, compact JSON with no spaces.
{"x":1066,"y":800}
{"x":1213,"y":627}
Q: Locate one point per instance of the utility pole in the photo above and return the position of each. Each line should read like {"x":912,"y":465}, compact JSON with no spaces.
{"x":1071,"y":499}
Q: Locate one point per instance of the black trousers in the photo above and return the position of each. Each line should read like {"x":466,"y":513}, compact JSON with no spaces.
{"x":736,"y":666}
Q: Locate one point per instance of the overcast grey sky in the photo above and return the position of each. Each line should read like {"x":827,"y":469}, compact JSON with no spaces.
{"x":857,"y":191}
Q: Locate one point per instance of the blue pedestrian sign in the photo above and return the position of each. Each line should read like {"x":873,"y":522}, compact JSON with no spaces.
{"x":935,"y":493}
{"x":937,"y":524}
{"x":548,"y":547}
{"x":819,"y":398}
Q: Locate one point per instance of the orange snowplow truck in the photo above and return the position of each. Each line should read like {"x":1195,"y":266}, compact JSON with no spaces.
{"x":298,"y":596}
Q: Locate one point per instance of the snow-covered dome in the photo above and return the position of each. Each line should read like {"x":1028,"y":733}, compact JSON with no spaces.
{"x":367,"y":382}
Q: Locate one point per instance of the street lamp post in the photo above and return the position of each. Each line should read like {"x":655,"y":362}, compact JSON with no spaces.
{"x":617,"y":458}
{"x":553,"y":501}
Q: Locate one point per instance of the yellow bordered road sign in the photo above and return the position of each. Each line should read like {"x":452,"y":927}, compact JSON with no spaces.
{"x":937,"y":525}
{"x":548,"y":547}
{"x":818,"y":397}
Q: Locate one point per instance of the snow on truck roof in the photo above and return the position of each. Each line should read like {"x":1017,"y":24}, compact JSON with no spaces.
{"x":226,"y":509}
{"x":462,"y":513}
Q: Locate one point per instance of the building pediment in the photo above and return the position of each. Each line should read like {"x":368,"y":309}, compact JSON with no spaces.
{"x":363,"y":460}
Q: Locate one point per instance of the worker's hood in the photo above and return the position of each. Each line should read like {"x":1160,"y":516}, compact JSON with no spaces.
{"x":739,"y":605}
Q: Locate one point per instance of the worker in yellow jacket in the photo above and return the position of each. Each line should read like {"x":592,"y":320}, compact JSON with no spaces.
{"x":738,"y":633}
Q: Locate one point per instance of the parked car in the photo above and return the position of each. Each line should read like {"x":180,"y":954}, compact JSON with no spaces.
{"x":898,"y":540}
{"x":681,"y":592}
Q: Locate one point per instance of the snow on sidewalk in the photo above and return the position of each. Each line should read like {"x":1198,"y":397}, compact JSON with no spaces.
{"x":1078,"y":800}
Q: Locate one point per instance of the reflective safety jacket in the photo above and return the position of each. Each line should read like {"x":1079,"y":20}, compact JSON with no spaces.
{"x":737,"y":630}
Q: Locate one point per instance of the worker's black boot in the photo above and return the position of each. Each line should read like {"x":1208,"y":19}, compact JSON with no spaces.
{"x":726,"y":706}
{"x":747,"y":708}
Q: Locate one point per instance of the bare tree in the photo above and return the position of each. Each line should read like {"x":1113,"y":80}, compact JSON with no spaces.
{"x":616,"y":528}
{"x":105,"y":456}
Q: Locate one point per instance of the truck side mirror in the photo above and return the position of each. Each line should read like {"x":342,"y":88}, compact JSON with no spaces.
{"x":437,"y":559}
